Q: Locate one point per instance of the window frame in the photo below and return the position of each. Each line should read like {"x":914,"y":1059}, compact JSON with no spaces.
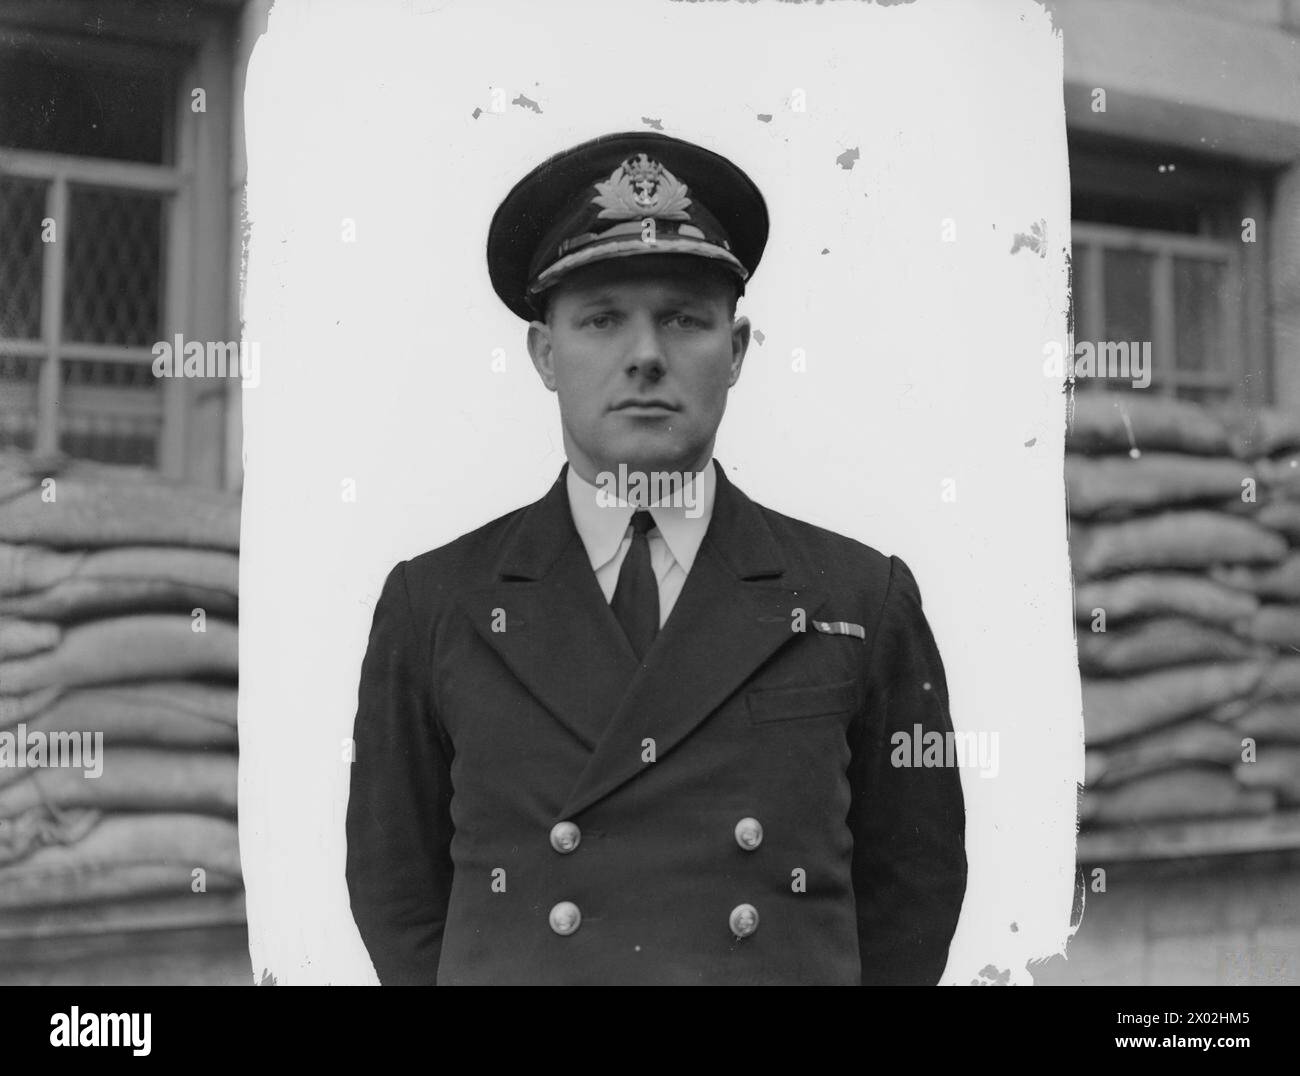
{"x":1164,"y":247}
{"x":1223,"y":190}
{"x":59,"y":172}
{"x":194,"y":442}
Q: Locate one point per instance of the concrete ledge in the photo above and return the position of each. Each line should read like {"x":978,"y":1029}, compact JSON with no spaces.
{"x":1179,"y":840}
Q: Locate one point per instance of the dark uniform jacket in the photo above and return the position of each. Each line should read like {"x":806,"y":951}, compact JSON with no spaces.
{"x":499,"y":697}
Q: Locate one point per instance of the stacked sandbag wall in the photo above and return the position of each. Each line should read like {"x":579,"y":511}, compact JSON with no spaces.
{"x":118,"y":611}
{"x":1185,"y":545}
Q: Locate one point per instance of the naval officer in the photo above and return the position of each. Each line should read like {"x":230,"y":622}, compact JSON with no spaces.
{"x":640,"y":730}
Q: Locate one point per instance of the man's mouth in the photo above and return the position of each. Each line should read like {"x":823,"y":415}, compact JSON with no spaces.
{"x":644,"y":406}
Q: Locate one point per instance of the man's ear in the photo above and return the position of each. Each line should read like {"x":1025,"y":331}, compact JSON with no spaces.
{"x":739,"y":345}
{"x":539,"y":350}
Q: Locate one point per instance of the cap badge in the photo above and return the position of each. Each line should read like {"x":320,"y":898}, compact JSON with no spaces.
{"x":641,"y":187}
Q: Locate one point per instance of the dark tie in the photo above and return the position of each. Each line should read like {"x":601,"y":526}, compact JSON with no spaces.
{"x":636,"y":598}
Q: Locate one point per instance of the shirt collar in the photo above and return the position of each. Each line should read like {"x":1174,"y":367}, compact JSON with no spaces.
{"x":602,"y":523}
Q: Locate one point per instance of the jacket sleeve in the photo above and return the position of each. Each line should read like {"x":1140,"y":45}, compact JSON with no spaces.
{"x":399,"y":826}
{"x":909,"y":854}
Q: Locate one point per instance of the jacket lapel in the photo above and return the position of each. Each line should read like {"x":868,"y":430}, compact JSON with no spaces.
{"x":560,"y":638}
{"x":734,"y":612}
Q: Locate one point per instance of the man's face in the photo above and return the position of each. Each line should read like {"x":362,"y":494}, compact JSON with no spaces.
{"x":641,"y":352}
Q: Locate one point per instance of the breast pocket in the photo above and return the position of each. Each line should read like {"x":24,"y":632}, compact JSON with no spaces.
{"x":803,"y":701}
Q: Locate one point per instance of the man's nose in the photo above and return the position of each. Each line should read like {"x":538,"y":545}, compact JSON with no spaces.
{"x":645,"y":357}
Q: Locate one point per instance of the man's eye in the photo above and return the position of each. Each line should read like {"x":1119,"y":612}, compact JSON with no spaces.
{"x":684,"y":321}
{"x":600,"y":321}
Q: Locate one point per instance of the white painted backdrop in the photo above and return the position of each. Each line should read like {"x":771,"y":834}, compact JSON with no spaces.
{"x":922,"y":333}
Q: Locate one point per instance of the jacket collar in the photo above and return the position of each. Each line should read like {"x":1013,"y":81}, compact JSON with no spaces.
{"x":737,"y":532}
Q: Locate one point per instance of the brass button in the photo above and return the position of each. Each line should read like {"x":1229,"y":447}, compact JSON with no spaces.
{"x":565,"y":918}
{"x":565,"y":837}
{"x":744,"y":920}
{"x":749,"y":833}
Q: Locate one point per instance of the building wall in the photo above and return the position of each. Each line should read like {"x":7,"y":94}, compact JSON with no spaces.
{"x":1215,"y":77}
{"x":1163,"y":63}
{"x":1226,"y":920}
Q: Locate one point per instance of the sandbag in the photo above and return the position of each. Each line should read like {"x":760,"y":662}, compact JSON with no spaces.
{"x":104,"y":511}
{"x":1153,"y":644}
{"x":1114,"y":422}
{"x":15,"y":708}
{"x":1277,"y":625}
{"x":1120,"y":484}
{"x":1283,"y":517}
{"x":1274,"y":720}
{"x":1193,"y":740}
{"x":1263,"y":432}
{"x":1114,"y":709}
{"x":41,"y":826}
{"x":1281,"y":476}
{"x":126,"y":856}
{"x":1184,"y":539}
{"x":19,"y":470}
{"x":175,"y":911}
{"x":159,"y":714}
{"x":18,"y":638}
{"x":1280,"y":582}
{"x":1281,"y":679}
{"x":63,"y":585}
{"x":77,"y":599}
{"x":1185,"y":792}
{"x":1276,"y":768}
{"x":1143,"y":594}
{"x":128,"y":648}
{"x":30,"y":568}
{"x":33,"y":567}
{"x":133,"y":779}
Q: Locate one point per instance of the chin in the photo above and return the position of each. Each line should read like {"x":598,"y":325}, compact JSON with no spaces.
{"x":649,"y":452}
{"x":659,"y":461}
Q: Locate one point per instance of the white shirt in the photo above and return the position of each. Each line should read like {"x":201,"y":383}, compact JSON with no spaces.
{"x":604,"y":524}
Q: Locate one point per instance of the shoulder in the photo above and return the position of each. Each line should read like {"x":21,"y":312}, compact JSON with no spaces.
{"x":827,"y":549}
{"x":464,"y":563}
{"x":830,"y":560}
